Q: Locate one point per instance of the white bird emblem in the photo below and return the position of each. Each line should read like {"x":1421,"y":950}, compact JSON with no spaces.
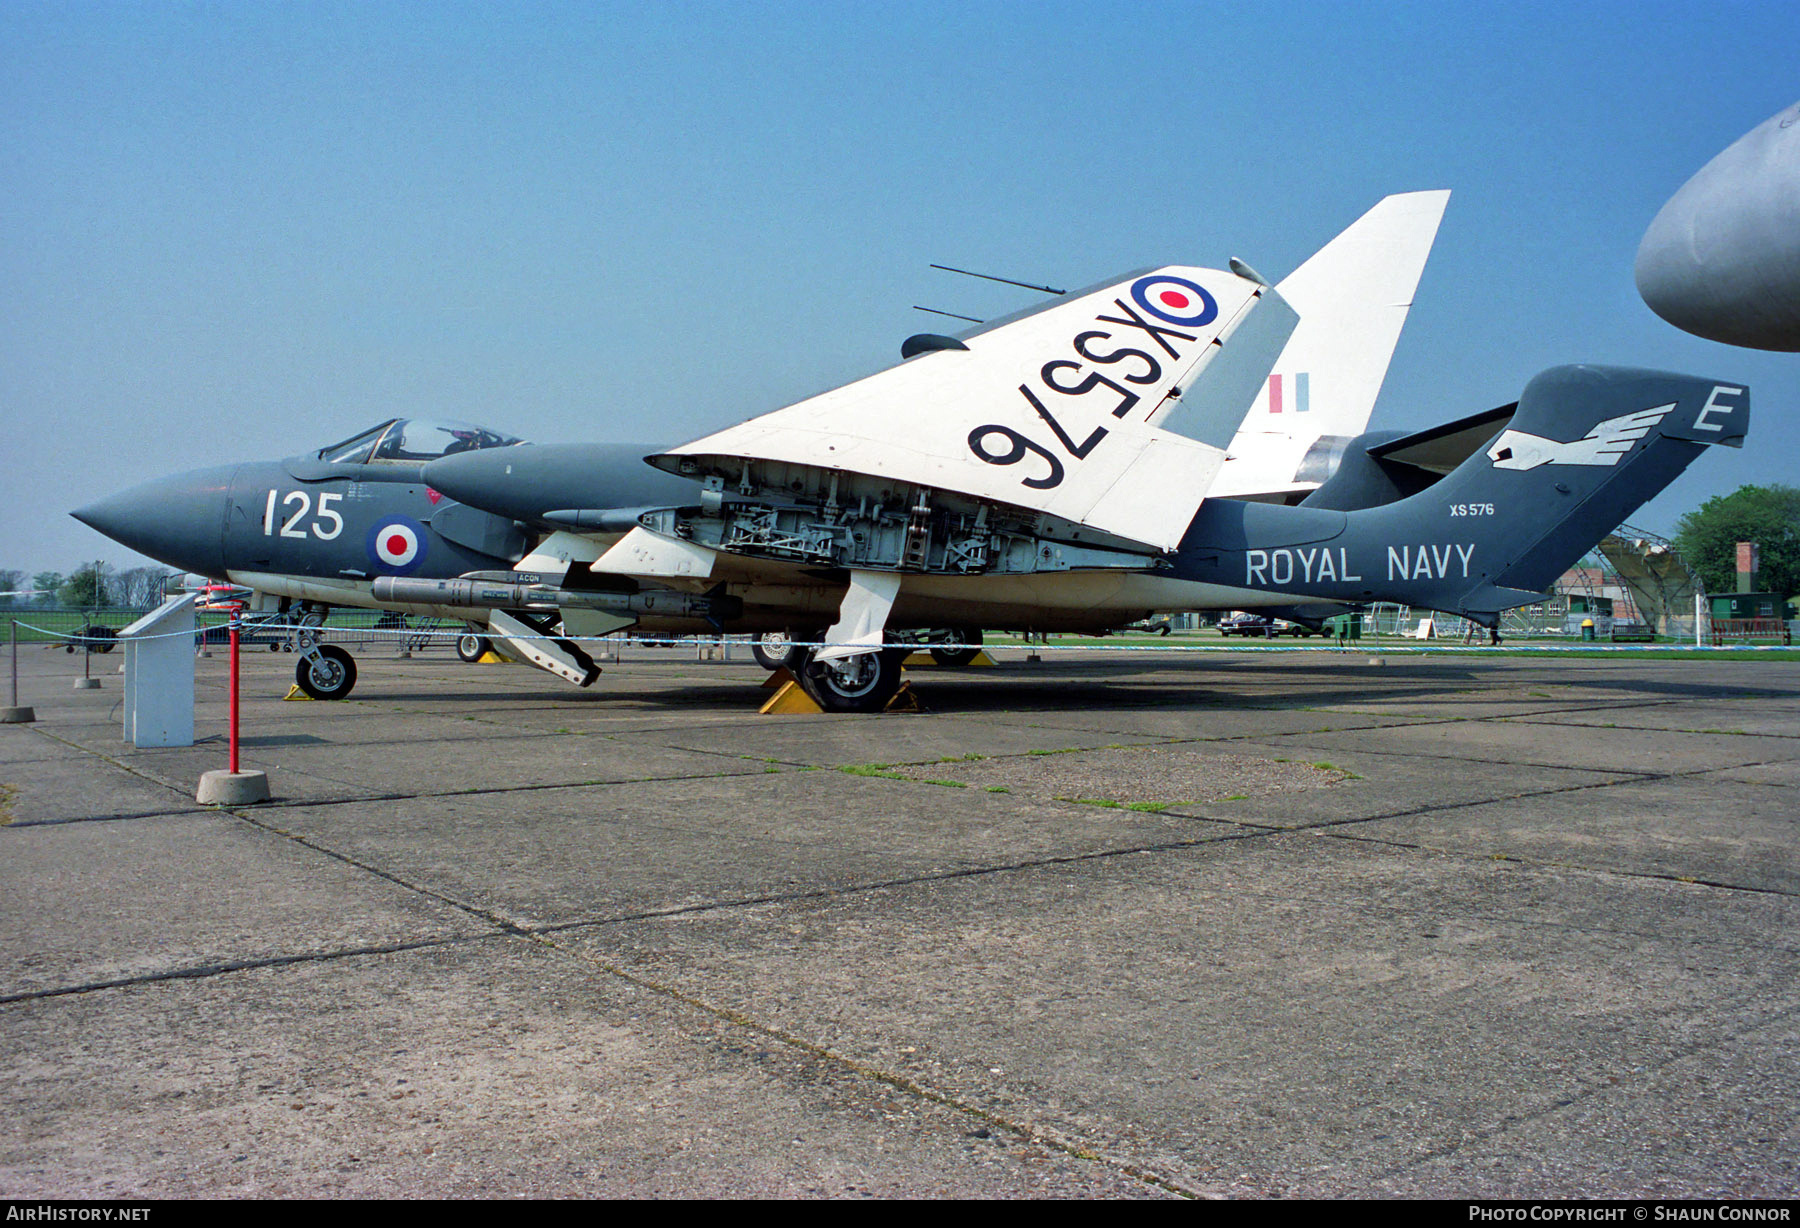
{"x":1603,"y":445}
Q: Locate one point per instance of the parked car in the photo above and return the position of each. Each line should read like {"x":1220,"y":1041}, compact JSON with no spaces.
{"x":1261,"y":625}
{"x":1247,"y":625}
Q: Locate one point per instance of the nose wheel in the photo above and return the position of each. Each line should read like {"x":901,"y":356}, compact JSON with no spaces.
{"x":326,"y":672}
{"x":472,"y":648}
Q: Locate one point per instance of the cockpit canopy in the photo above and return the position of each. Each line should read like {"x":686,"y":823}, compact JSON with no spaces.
{"x":413,"y":441}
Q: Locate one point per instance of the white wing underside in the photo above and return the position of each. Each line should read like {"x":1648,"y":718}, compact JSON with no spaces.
{"x":1050,"y":412}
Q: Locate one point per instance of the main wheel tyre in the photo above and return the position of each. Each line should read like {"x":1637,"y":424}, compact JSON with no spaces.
{"x":472,"y":648}
{"x":960,"y":647}
{"x":863,"y":683}
{"x":772,"y":649}
{"x":329,"y":675}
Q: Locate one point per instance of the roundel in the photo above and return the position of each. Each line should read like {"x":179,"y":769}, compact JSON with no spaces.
{"x":1174,"y":300}
{"x":397,"y":545}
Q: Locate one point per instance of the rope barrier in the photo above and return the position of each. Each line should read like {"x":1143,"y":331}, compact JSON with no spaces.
{"x":1348,"y":646}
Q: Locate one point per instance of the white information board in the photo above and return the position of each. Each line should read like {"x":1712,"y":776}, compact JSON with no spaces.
{"x":159,"y":675}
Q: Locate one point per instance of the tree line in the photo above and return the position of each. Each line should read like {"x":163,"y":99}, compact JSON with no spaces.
{"x":91,"y":586}
{"x":1707,"y":538}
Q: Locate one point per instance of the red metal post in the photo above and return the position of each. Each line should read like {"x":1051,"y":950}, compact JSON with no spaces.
{"x":236,"y":610}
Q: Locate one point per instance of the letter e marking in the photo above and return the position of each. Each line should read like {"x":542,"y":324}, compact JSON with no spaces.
{"x":1713,"y":406}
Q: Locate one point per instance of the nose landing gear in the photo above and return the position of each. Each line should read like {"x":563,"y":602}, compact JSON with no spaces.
{"x":325,"y":671}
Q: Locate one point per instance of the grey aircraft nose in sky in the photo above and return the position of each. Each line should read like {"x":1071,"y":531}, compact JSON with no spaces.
{"x":177,"y":520}
{"x":1722,"y":259}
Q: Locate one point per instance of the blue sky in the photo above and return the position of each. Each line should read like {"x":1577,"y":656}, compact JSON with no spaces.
{"x":243,"y":230}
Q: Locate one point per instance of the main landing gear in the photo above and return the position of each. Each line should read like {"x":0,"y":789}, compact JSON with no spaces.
{"x":958,"y":647}
{"x":867,"y":681}
{"x":863,"y":683}
{"x":953,"y":647}
{"x":772,"y":649}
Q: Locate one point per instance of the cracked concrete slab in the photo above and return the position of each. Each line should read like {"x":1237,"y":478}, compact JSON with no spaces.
{"x":1158,"y":776}
{"x":838,"y":740}
{"x":1382,"y":783}
{"x":49,"y":782}
{"x":339,"y":765}
{"x":933,"y":989}
{"x":1284,"y":1015}
{"x":1649,"y":751}
{"x":1698,"y":827}
{"x":497,"y":762}
{"x":21,"y":745}
{"x":562,"y":856}
{"x":1724,"y":1128}
{"x":98,"y":902}
{"x":1743,"y":717}
{"x":499,"y":1068}
{"x":1224,"y":721}
{"x":1774,"y":775}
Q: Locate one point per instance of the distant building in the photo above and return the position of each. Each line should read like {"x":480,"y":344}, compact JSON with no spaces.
{"x":1603,"y":583}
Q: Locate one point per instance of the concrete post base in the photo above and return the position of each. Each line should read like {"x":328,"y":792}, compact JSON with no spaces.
{"x":87,"y":684}
{"x":17,"y":716}
{"x":232,"y":788}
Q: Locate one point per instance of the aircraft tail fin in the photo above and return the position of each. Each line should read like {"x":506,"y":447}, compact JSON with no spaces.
{"x":1352,"y":297}
{"x":1638,"y":430}
{"x":1585,"y":449}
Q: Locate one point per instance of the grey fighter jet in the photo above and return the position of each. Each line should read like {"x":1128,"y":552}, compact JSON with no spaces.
{"x":1067,"y":469}
{"x":359,"y":524}
{"x":1722,"y":258}
{"x":315,"y":531}
{"x":1472,"y":518}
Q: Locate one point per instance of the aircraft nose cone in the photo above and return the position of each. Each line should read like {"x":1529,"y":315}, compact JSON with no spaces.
{"x":176,"y":520}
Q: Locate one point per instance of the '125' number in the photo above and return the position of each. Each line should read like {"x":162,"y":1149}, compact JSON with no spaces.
{"x":304,"y":505}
